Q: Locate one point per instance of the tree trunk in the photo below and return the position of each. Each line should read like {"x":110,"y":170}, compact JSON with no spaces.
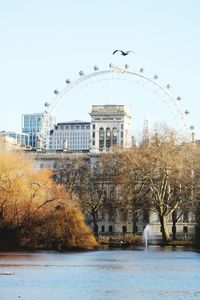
{"x":174,"y":230}
{"x":134,"y":220}
{"x":164,"y":229}
{"x":95,"y":226}
{"x":174,"y":220}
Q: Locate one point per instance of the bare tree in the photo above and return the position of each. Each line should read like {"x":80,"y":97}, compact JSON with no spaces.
{"x":162,"y":170}
{"x":69,"y":173}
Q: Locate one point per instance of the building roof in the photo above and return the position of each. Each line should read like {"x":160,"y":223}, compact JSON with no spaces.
{"x":75,"y":122}
{"x":110,"y":109}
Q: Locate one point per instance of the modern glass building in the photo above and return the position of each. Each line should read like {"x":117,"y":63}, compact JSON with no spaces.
{"x":31,"y":125}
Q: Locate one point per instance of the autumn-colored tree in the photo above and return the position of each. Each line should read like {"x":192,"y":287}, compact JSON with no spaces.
{"x":28,"y":196}
{"x":23,"y":192}
{"x":60,"y":227}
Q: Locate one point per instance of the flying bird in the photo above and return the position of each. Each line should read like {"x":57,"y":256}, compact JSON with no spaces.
{"x":124,"y":53}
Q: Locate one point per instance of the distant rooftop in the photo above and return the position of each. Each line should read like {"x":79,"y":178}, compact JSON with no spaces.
{"x":34,"y":114}
{"x":110,"y":109}
{"x":73,"y":122}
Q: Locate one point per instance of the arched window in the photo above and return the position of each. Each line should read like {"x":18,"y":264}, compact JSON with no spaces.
{"x":101,"y":138}
{"x":114,"y":136}
{"x":108,"y":138}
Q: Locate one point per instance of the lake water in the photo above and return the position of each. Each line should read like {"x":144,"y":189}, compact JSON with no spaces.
{"x":105,"y":274}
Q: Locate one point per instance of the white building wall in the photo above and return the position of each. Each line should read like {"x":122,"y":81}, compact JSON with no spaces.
{"x":72,"y":136}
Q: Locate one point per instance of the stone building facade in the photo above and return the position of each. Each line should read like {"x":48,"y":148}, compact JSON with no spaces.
{"x":110,"y":126}
{"x":113,"y":222}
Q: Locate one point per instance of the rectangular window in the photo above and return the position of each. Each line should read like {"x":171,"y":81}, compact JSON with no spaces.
{"x":185,"y":229}
{"x":124,"y":229}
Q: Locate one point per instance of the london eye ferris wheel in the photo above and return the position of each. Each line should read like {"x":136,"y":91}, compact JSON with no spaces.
{"x":113,"y":73}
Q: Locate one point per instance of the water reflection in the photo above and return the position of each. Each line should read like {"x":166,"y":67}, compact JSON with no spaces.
{"x":152,"y":274}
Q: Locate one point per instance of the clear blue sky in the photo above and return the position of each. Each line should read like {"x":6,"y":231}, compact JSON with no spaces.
{"x":45,"y":42}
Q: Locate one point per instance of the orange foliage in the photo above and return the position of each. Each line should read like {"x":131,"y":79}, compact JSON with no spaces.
{"x":30,"y":201}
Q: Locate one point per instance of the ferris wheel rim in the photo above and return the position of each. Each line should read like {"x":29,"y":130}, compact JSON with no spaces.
{"x":113,"y":70}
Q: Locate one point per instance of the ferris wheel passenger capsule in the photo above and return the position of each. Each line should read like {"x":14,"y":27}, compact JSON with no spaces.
{"x":81,"y":73}
{"x":126,"y":66}
{"x":141,"y":70}
{"x":155,"y":76}
{"x":96,"y":68}
{"x":111,"y":65}
{"x":187,"y":112}
{"x":168,"y":86}
{"x":191,"y":127}
{"x":68,"y":81}
{"x":178,"y":98}
{"x":46,"y":104}
{"x":56,"y":92}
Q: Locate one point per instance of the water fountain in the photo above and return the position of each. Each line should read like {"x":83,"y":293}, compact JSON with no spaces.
{"x":147,"y":235}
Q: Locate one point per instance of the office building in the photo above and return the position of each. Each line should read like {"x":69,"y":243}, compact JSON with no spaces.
{"x":70,"y":136}
{"x":32,"y":124}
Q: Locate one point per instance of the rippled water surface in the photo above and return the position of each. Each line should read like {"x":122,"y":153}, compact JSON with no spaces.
{"x":113,"y":274}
